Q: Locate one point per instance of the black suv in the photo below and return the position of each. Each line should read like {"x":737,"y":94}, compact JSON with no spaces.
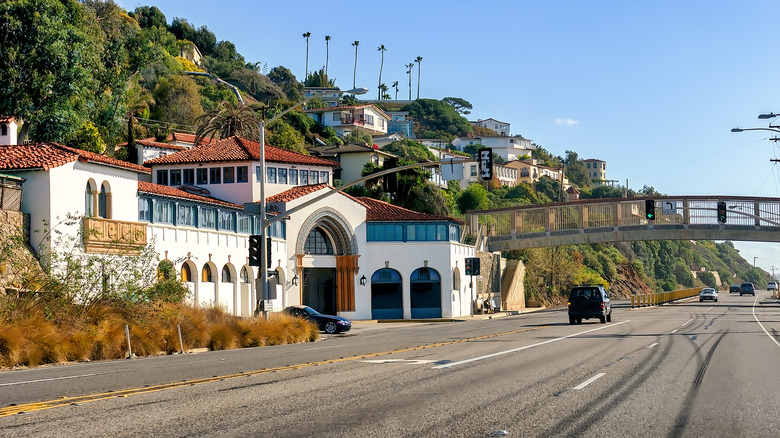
{"x":589,"y":302}
{"x":747,"y":288}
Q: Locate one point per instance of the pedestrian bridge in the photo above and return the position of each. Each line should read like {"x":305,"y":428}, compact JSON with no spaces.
{"x":624,"y":219}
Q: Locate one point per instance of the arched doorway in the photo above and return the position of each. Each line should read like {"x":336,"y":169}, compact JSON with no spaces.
{"x":326,"y":251}
{"x":386,"y":294}
{"x":319,"y":291}
{"x":425,"y":293}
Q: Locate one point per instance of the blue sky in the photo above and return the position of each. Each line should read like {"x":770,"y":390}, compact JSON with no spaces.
{"x":652,"y":88}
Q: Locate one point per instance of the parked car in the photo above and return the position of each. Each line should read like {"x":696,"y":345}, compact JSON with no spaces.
{"x":734,"y":288}
{"x":708,"y":293}
{"x":747,"y":288}
{"x":772,"y":285}
{"x":589,"y":302}
{"x":327,"y":323}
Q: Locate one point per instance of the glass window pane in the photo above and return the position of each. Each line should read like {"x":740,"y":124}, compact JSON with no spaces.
{"x":242,"y":174}
{"x":325,"y":177}
{"x":271,"y":172}
{"x":304,"y":177}
{"x":228,"y":175}
{"x":203,"y":176}
{"x":282,"y":174}
{"x":176,"y":177}
{"x":294,"y":177}
{"x":189,"y":177}
{"x":215,"y":174}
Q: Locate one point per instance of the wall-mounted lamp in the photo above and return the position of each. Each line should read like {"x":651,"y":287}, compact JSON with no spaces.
{"x":295,"y":280}
{"x":363,"y":280}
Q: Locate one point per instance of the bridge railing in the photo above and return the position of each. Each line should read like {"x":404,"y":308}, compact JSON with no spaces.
{"x":654,"y":299}
{"x":602,"y":213}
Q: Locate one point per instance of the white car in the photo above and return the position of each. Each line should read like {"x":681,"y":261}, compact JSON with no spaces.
{"x":771,"y":285}
{"x":708,"y":293}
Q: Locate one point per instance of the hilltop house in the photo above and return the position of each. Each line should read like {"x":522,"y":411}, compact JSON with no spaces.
{"x":345,"y":119}
{"x":597,"y":170}
{"x":352,"y":158}
{"x":508,"y":148}
{"x":500,"y":128}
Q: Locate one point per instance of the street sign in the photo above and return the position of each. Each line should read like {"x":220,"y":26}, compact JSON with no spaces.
{"x":668,"y":208}
{"x":486,"y":163}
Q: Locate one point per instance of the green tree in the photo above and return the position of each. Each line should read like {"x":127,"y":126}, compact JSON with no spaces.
{"x":319,"y":79}
{"x":358,"y":137}
{"x":327,"y":52}
{"x":284,"y":136}
{"x":438,"y":118}
{"x":149,"y":16}
{"x":550,"y":188}
{"x":409,"y":68}
{"x":462,"y":106}
{"x":354,"y":71}
{"x":708,"y":278}
{"x":227,"y":120}
{"x":395,"y":85}
{"x":48,"y":55}
{"x":284,"y":79}
{"x":306,"y":36}
{"x":379,"y":91}
{"x":410,"y":149}
{"x":475,"y":197}
{"x":87,"y":137}
{"x":178,"y":100}
{"x":576,"y":171}
{"x":418,"y":60}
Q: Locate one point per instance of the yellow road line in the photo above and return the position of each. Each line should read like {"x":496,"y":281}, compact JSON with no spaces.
{"x":65,"y":401}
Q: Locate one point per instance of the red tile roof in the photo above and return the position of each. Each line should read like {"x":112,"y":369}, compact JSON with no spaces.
{"x":175,"y":192}
{"x":296,"y":192}
{"x":7,"y":119}
{"x":151,"y":142}
{"x":47,"y":156}
{"x":238,"y":149}
{"x":380,"y":211}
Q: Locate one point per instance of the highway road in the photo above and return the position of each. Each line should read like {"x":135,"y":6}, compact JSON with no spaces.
{"x":688,"y":369}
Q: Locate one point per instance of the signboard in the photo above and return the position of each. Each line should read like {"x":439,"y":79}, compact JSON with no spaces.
{"x":668,"y":208}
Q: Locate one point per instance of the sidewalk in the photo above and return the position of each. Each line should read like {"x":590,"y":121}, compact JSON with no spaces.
{"x":477,"y":317}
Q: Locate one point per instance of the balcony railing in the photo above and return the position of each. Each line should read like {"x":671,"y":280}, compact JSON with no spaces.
{"x":108,"y":236}
{"x":353,"y":121}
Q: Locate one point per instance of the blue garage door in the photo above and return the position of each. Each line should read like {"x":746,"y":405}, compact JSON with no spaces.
{"x":386,"y":294}
{"x":425,"y":293}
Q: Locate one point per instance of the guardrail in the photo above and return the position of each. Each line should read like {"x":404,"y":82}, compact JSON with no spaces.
{"x":655,"y":299}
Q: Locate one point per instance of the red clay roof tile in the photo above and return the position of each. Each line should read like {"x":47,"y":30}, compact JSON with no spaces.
{"x":175,"y":192}
{"x":47,"y":156}
{"x":380,"y":211}
{"x":238,"y":149}
{"x":296,"y":192}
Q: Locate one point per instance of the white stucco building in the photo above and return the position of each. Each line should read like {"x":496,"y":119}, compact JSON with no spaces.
{"x":345,"y":119}
{"x":355,"y":257}
{"x":508,"y":148}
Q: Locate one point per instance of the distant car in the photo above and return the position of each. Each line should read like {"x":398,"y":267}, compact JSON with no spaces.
{"x":327,"y":323}
{"x":708,"y":293}
{"x":589,"y":302}
{"x":771,"y":285}
{"x":734,"y":288}
{"x":747,"y":288}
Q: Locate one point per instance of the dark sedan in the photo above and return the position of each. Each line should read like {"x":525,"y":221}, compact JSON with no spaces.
{"x":734,"y":288}
{"x":327,"y":323}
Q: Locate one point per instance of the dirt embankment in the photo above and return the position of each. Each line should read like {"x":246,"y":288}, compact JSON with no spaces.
{"x":628,"y":283}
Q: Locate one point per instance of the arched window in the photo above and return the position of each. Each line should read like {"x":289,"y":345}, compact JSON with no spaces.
{"x":524,"y":172}
{"x":318,"y":243}
{"x":456,"y":279}
{"x":166,"y":271}
{"x":186,"y":274}
{"x":226,"y":275}
{"x":205,"y":274}
{"x":244,"y":275}
{"x":89,"y":204}
{"x":104,"y":198}
{"x":425,"y":293}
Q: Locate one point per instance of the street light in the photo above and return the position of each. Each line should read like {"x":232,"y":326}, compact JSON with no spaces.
{"x":263,"y":221}
{"x":771,"y":128}
{"x":768,"y":116}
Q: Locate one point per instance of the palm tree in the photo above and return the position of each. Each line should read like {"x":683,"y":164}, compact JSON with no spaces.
{"x":418,"y":60}
{"x":382,"y":49}
{"x":395,"y":85}
{"x":227,"y":120}
{"x":409,"y":67}
{"x":354,"y":72}
{"x":327,"y":53}
{"x":383,"y":92}
{"x":307,"y":35}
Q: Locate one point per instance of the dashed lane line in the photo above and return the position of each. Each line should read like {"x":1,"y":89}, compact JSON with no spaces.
{"x":589,"y":381}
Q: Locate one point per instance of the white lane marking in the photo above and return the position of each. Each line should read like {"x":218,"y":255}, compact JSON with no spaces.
{"x":675,"y":331}
{"x":652,"y":345}
{"x":46,"y":380}
{"x":687,"y":322}
{"x":403,"y":361}
{"x":762,"y":325}
{"x":500,"y":353}
{"x":589,"y":381}
{"x":711,"y":308}
{"x":322,"y":348}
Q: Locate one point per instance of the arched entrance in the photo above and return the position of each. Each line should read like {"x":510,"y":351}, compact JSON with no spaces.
{"x":386,"y":294}
{"x":326,"y":252}
{"x":425,"y":293}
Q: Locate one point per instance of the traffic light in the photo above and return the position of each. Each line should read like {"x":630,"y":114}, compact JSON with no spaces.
{"x":472,"y":266}
{"x":486,"y":163}
{"x":722,"y":211}
{"x":650,"y":209}
{"x":254,"y":249}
